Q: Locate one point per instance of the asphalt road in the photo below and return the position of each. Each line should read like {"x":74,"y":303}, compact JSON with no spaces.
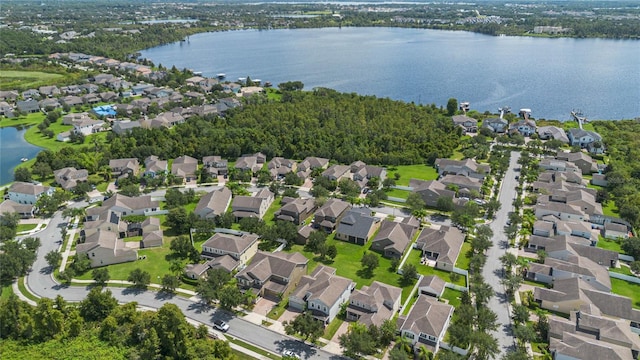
{"x":41,"y":283}
{"x":492,"y":270}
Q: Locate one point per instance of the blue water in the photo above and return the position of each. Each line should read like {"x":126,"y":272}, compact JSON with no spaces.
{"x":550,"y":76}
{"x":13,"y":147}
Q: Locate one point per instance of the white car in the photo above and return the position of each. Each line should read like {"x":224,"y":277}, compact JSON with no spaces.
{"x":291,"y":354}
{"x":221,"y":325}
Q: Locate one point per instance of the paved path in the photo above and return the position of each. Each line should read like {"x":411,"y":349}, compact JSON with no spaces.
{"x":492,"y":270}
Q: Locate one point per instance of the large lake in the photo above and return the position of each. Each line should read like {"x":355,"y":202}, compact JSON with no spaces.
{"x":550,"y":76}
{"x":14,"y":147}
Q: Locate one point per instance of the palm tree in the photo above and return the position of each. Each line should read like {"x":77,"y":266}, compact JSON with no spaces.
{"x":424,"y":353}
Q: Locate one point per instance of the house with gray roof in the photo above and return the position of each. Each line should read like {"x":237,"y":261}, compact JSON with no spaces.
{"x":466,"y":185}
{"x":393,"y":238}
{"x":197,"y":271}
{"x":69,"y":177}
{"x":185,"y":167}
{"x":273,"y":275}
{"x":322,"y":292}
{"x":25,"y":211}
{"x":124,"y":126}
{"x":104,"y":248}
{"x":296,"y":210}
{"x":214,"y":203}
{"x":357,"y":226}
{"x":328,"y":215}
{"x":441,"y":245}
{"x":28,"y":193}
{"x":561,"y":210}
{"x":431,"y":285}
{"x":615,"y":231}
{"x":361,"y":173}
{"x":252,"y":206}
{"x":427,"y":323}
{"x":525,"y":127}
{"x":581,"y":267}
{"x":124,"y":167}
{"x":28,"y":106}
{"x":279,"y":167}
{"x":583,"y":161}
{"x":153,"y":166}
{"x":252,"y":163}
{"x":431,"y":191}
{"x":582,"y":138}
{"x":496,"y":125}
{"x":466,"y":167}
{"x":215,"y":165}
{"x":574,"y":346}
{"x":468,"y":124}
{"x":558,"y":165}
{"x":241,"y":247}
{"x":584,"y":199}
{"x":372,"y":305}
{"x":308,"y":164}
{"x":552,"y":132}
{"x":337,"y":172}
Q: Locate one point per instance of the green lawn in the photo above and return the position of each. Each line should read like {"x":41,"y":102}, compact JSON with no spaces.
{"x":155,"y":263}
{"x":610,"y":209}
{"x":464,"y":259}
{"x":332,"y":328}
{"x":609,"y":245}
{"x":408,"y":172}
{"x":414,"y":259}
{"x":627,"y":289}
{"x":622,"y":270}
{"x":403,"y":194}
{"x":269,"y":217}
{"x":13,"y":79}
{"x":25,"y":227}
{"x":453,"y":296}
{"x":5,"y":291}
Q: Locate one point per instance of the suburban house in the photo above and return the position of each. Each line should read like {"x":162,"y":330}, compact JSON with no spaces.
{"x":124,"y":167}
{"x":214,"y":203}
{"x":124,"y":205}
{"x":279,"y":167}
{"x":104,"y":248}
{"x":123,"y":126}
{"x":431,"y":191}
{"x":615,"y":231}
{"x":584,"y":199}
{"x":185,"y":167}
{"x":72,"y":118}
{"x":329,"y":214}
{"x":28,"y":106}
{"x":215,"y":165}
{"x":393,"y":238}
{"x":582,"y":138}
{"x":561,"y":210}
{"x":241,"y":247}
{"x":578,"y":266}
{"x":25,"y":211}
{"x":441,"y":245}
{"x":583,"y":161}
{"x":322,"y":292}
{"x":525,"y":127}
{"x":372,"y":305}
{"x":599,"y":180}
{"x":28,"y":193}
{"x":362,"y":173}
{"x":337,"y":172}
{"x":496,"y":125}
{"x":252,"y":163}
{"x":88,"y":126}
{"x":565,"y":247}
{"x":431,"y":285}
{"x":154,"y":166}
{"x":296,"y":210}
{"x":69,"y":177}
{"x":552,"y":133}
{"x":467,"y":167}
{"x":558,"y":165}
{"x":308,"y":164}
{"x":252,"y":206}
{"x":150,"y":230}
{"x":426,"y":323}
{"x":197,"y":271}
{"x":468,"y":124}
{"x":357,"y":226}
{"x":587,"y":334}
{"x":273,"y":275}
{"x":466,"y":185}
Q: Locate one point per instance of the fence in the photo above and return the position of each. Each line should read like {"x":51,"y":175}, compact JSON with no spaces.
{"x":157,"y":212}
{"x":626,"y":258}
{"x":455,"y":349}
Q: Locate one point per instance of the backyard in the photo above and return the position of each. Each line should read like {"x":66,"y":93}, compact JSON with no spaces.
{"x":408,"y":172}
{"x":414,"y":258}
{"x":627,"y":289}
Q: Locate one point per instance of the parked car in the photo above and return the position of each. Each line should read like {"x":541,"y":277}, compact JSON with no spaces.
{"x":221,"y":325}
{"x":291,"y":354}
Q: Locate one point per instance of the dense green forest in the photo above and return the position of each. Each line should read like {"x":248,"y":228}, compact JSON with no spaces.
{"x":623,"y":170}
{"x":99,"y":328}
{"x":323,"y":122}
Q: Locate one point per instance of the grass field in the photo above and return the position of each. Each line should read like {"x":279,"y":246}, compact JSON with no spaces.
{"x":464,"y":259}
{"x":25,"y":227}
{"x":408,"y":172}
{"x":627,"y":289}
{"x":609,"y":245}
{"x":397,"y":193}
{"x":14,"y":79}
{"x":610,"y":209}
{"x":453,"y":296}
{"x":414,"y":259}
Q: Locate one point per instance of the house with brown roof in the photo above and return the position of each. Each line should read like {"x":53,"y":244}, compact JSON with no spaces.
{"x":241,"y":247}
{"x":525,"y":127}
{"x":28,"y":193}
{"x":581,"y":267}
{"x":431,"y":285}
{"x":583,"y":161}
{"x":104,"y":248}
{"x":69,"y":177}
{"x":361,"y":173}
{"x":328,"y":215}
{"x":372,"y":305}
{"x":252,"y":163}
{"x":466,"y":185}
{"x":25,"y":211}
{"x":584,"y":198}
{"x":337,"y":172}
{"x":124,"y":167}
{"x":214,"y":203}
{"x":574,"y":346}
{"x":357,"y":226}
{"x":552,"y":132}
{"x":441,"y":245}
{"x":560,"y":210}
{"x":615,"y":231}
{"x":309,"y":164}
{"x":431,"y":191}
{"x":564,"y":247}
{"x":197,"y":271}
{"x":393,"y":238}
{"x":466,"y":167}
{"x":185,"y":167}
{"x":153,"y":166}
{"x":468,"y":124}
{"x":279,"y":167}
{"x":322,"y":293}
{"x":252,"y":206}
{"x":273,"y":275}
{"x":427,"y":322}
{"x":125,"y":205}
{"x":295,"y":210}
{"x":215,"y":165}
